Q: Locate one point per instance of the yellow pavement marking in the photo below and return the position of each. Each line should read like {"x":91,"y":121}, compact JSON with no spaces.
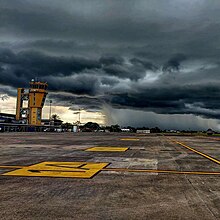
{"x":59,"y":169}
{"x":108,"y":149}
{"x":82,"y":170}
{"x":129,"y":139}
{"x":162,"y":171}
{"x":196,"y":151}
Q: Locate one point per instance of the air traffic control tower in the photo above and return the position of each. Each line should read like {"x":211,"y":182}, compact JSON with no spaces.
{"x":35,"y":98}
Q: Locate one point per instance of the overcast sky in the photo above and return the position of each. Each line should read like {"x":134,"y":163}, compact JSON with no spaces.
{"x":139,"y":62}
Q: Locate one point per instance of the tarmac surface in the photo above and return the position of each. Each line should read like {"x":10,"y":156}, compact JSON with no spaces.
{"x":109,"y":176}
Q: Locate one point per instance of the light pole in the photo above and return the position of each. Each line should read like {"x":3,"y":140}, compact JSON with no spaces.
{"x":79,"y":116}
{"x":50,"y":109}
{"x":79,"y":113}
{"x":50,"y":112}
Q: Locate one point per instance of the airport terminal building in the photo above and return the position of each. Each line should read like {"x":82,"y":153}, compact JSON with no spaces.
{"x":7,"y":118}
{"x":9,"y":123}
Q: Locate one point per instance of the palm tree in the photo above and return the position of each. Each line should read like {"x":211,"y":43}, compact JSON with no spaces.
{"x":3,"y":97}
{"x":55,"y":117}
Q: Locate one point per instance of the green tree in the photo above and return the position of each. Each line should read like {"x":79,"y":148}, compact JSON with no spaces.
{"x":55,"y":117}
{"x":115,"y":128}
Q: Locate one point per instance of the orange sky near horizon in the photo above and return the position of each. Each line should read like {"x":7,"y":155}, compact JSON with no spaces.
{"x":65,"y":114}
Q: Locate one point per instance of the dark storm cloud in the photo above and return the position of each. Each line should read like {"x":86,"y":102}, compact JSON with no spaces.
{"x":194,"y":99}
{"x":41,"y":64}
{"x":154,"y":55}
{"x":174,"y":63}
{"x":78,"y":102}
{"x":7,"y":90}
{"x":118,"y":70}
{"x":146,"y":64}
{"x":109,"y":81}
{"x":77,"y":84}
{"x":17,"y":69}
{"x":31,"y":64}
{"x":110,"y":60}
